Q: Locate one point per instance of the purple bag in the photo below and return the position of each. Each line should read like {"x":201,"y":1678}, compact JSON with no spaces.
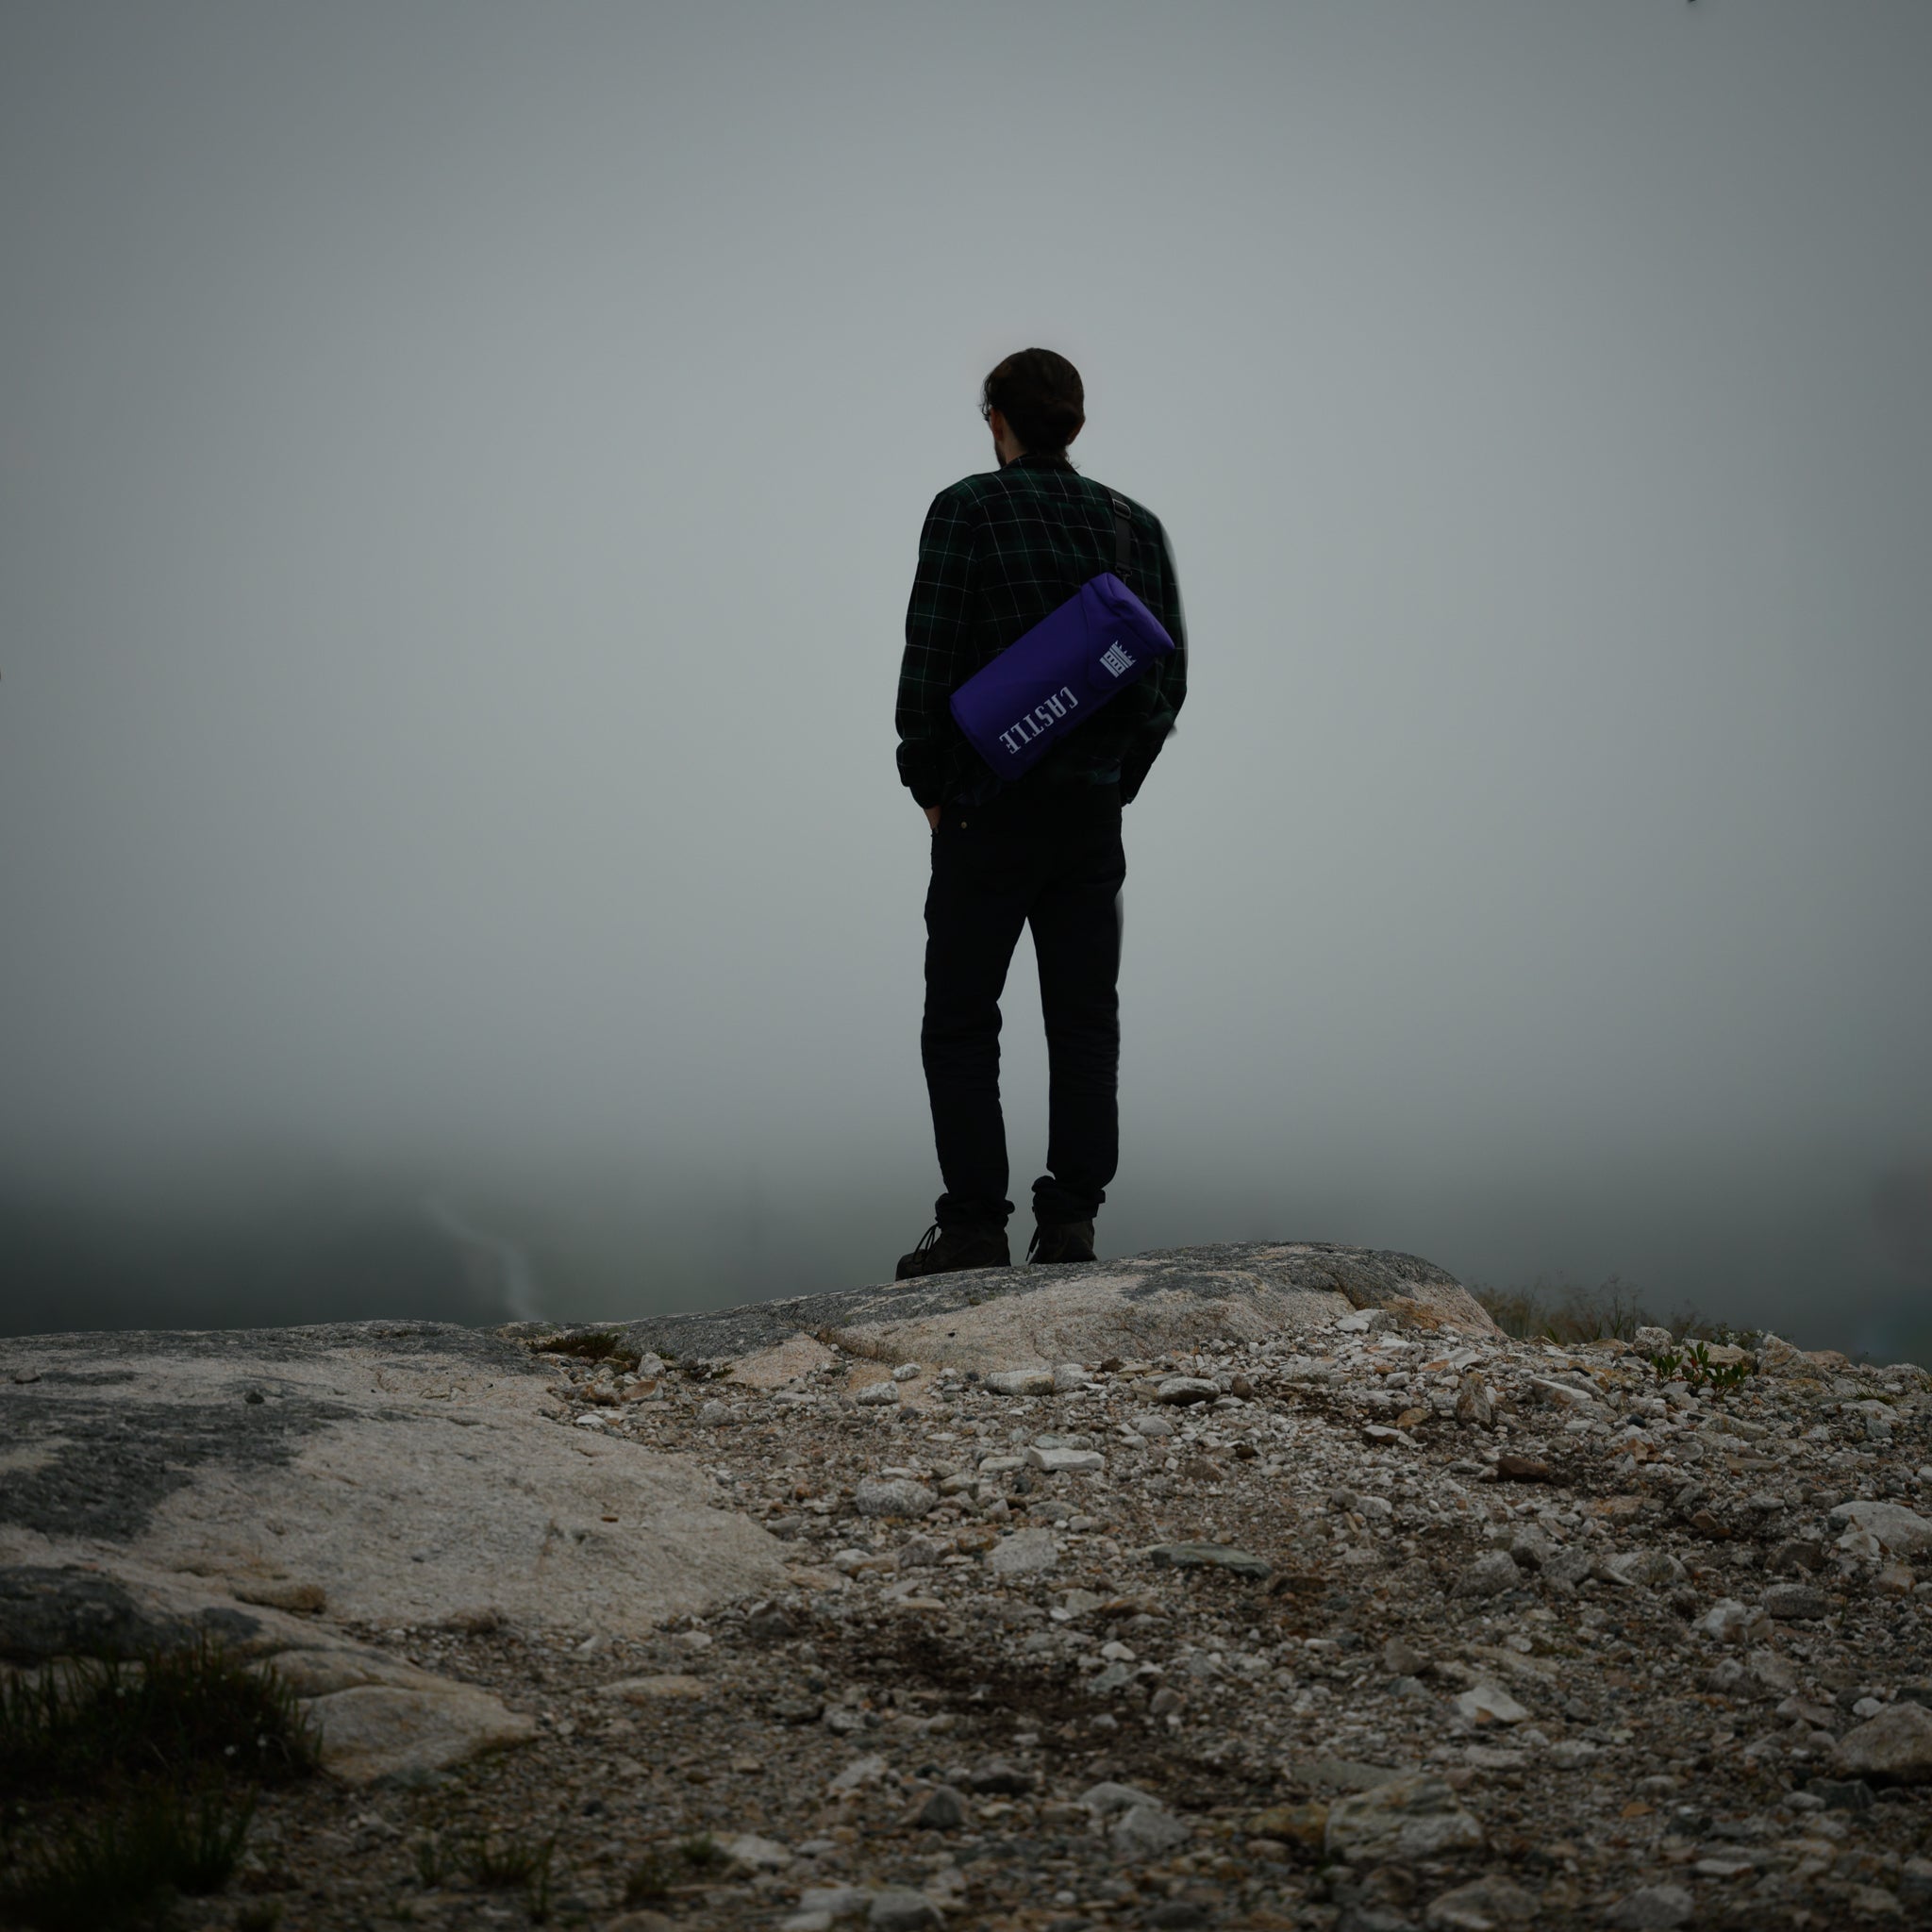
{"x":1049,"y":681}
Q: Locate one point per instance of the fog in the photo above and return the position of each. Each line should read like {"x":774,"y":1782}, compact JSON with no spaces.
{"x":462,"y":468}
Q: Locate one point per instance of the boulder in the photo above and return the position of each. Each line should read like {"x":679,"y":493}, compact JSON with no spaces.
{"x":1902,"y":1532}
{"x":1894,"y":1748}
{"x":348,"y":1458}
{"x":385,"y":1731}
{"x":1416,"y":1817}
{"x":998,"y":1320}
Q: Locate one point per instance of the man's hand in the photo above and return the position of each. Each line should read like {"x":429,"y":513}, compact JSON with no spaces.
{"x":932,"y":816}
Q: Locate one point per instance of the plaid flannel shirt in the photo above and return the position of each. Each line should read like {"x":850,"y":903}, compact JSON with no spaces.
{"x":999,"y":552}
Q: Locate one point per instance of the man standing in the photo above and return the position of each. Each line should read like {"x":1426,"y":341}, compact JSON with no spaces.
{"x":999,"y":552}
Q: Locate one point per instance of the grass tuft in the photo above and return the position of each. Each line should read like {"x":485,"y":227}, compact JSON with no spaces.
{"x":507,"y":1864}
{"x":170,"y":1714}
{"x":125,"y":1866}
{"x":592,"y":1345}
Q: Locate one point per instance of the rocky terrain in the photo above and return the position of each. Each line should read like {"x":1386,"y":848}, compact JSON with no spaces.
{"x":1243,"y":1587}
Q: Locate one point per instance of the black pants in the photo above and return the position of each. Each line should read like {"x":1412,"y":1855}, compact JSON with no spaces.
{"x":1052,"y":861}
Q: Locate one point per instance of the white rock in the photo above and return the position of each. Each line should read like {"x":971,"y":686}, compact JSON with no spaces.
{"x":372,"y":1731}
{"x":1023,"y":1552}
{"x":859,"y":1773}
{"x":1186,"y":1388}
{"x":1902,"y":1531}
{"x":1147,"y":1832}
{"x":893,"y":1496}
{"x":905,"y":1371}
{"x":750,"y":1853}
{"x":879,"y":1396}
{"x":1486,"y":1705}
{"x":1021,"y":1382}
{"x":1067,"y":1461}
{"x":1069,"y":1377}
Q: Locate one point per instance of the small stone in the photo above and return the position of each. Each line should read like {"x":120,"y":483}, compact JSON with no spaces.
{"x":835,"y":1901}
{"x":1021,"y":1382}
{"x":1297,"y":1824}
{"x":905,"y":1371}
{"x":1649,"y":1569}
{"x":1401,"y":1658}
{"x":1730,"y":1621}
{"x":751,"y":1853}
{"x":858,"y":1773}
{"x":899,"y":1909}
{"x":712,"y":1413}
{"x":876,"y":1395}
{"x":1490,"y":1575}
{"x":1490,"y":1905}
{"x":1147,"y":1832}
{"x":669,"y":1688}
{"x":1414,"y":1816}
{"x":1841,"y":1794}
{"x":1108,"y":1798}
{"x":1652,"y":1340}
{"x":1874,"y":1901}
{"x":893,"y":1496}
{"x":1186,"y":1388}
{"x":1152,"y":1426}
{"x":1795,"y":1602}
{"x":1002,"y":1779}
{"x":1894,"y":1747}
{"x":1522,"y":1469}
{"x":1069,"y":1376}
{"x":1486,"y":1705}
{"x":1572,"y":1754}
{"x":1209,"y":1556}
{"x":945,"y":1809}
{"x":1475,"y":1404}
{"x":1067,"y":1461}
{"x":1651,"y":1908}
{"x":1023,"y":1552}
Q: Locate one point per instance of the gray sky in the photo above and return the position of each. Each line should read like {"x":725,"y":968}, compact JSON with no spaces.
{"x":461,"y":472}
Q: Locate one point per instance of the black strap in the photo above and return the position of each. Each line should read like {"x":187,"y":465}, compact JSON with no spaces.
{"x":1122,"y":534}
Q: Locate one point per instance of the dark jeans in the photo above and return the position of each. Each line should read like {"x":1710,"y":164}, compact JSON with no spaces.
{"x":1052,"y":861}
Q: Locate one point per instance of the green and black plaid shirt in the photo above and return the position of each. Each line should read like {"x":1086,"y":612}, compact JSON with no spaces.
{"x":999,"y":552}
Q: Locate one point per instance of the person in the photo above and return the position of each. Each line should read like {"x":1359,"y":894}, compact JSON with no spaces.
{"x":999,"y":550}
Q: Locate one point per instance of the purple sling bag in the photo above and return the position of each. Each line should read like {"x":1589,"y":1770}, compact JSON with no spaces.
{"x":1049,"y":681}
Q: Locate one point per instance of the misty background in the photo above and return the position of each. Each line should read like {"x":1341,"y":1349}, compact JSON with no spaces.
{"x":462,"y":467}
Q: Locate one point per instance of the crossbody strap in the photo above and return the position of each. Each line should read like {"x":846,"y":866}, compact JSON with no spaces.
{"x":1122,"y":534}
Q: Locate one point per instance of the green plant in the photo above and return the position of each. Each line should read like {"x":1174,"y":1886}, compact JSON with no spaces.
{"x":432,"y":1861}
{"x":650,"y":1879}
{"x":1691,"y":1363}
{"x":703,"y":1853}
{"x":516,"y":1863}
{"x":124,"y":1865}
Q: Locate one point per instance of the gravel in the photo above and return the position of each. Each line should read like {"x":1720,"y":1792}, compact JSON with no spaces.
{"x":1688,"y":1688}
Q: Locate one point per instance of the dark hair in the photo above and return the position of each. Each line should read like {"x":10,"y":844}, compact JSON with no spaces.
{"x":1039,"y":396}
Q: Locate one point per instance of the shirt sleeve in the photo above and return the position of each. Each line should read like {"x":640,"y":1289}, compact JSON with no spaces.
{"x":1169,"y":677}
{"x":938,"y":622}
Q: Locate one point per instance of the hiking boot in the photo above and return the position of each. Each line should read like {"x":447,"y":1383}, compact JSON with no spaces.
{"x":948,"y":1250}
{"x":1056,"y":1241}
